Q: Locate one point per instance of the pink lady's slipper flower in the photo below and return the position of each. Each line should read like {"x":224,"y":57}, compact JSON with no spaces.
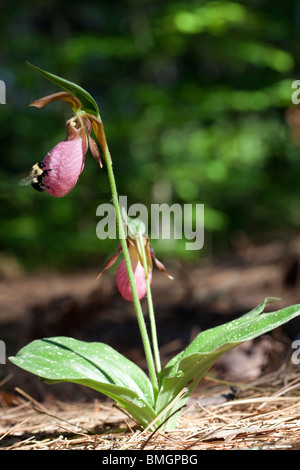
{"x":59,"y":171}
{"x":65,"y":162}
{"x":135,"y":254}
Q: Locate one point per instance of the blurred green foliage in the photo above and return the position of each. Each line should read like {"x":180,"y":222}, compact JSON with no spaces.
{"x":193,"y":97}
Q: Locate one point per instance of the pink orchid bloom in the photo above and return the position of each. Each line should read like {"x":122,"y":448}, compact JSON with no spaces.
{"x":123,"y":283}
{"x":65,"y":162}
{"x":63,"y":165}
{"x":122,"y":279}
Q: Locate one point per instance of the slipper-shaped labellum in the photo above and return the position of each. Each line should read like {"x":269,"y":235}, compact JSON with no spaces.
{"x":123,"y":283}
{"x":122,"y":279}
{"x":66,"y":161}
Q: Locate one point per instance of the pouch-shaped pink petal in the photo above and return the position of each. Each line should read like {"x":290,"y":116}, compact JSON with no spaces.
{"x":123,"y":283}
{"x":65,"y":162}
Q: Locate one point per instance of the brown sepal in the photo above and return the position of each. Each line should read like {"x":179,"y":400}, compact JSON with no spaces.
{"x":62,"y":95}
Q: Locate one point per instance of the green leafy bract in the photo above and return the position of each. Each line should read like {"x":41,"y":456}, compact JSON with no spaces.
{"x":96,"y":365}
{"x":76,"y":90}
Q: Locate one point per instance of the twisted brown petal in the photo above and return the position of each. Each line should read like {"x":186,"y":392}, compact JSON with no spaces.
{"x":110,"y":262}
{"x":98,"y":129}
{"x":92,"y":144}
{"x":159,"y":264}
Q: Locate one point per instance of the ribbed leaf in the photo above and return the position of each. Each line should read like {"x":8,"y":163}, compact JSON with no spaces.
{"x":96,"y":365}
{"x":188,"y":367}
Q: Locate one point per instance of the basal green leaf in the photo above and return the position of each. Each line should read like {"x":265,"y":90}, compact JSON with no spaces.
{"x":88,"y":102}
{"x":208,"y":339}
{"x":188,"y":367}
{"x":95,"y":365}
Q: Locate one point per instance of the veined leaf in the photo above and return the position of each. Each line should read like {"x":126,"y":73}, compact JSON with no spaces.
{"x":76,"y":90}
{"x":188,"y":367}
{"x":96,"y":365}
{"x":204,"y":340}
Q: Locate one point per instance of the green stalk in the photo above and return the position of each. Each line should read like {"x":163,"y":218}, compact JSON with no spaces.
{"x":151,"y":310}
{"x":136,"y":301}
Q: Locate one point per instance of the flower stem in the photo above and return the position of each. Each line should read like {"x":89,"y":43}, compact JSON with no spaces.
{"x":151,"y":310}
{"x":136,"y":301}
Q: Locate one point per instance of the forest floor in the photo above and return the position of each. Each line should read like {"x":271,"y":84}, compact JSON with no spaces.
{"x":249,"y":400}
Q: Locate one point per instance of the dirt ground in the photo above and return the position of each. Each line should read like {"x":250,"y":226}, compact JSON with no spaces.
{"x":263,"y":410}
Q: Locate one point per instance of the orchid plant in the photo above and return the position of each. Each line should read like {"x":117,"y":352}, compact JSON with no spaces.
{"x":155,"y":399}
